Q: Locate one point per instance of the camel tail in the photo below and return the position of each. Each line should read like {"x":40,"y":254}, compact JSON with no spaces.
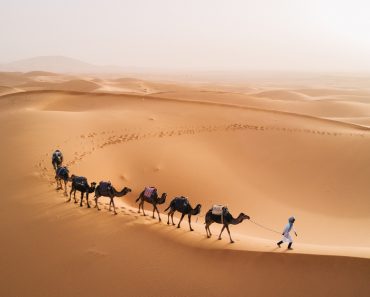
{"x":168,"y":208}
{"x":137,"y":199}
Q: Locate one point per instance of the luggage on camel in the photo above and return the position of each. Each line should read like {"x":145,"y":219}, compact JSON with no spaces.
{"x":184,"y":200}
{"x":149,"y":191}
{"x":61,"y":171}
{"x":218,"y":209}
{"x":80,"y":180}
{"x":105,"y":186}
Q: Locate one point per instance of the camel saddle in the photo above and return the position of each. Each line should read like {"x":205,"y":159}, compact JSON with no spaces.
{"x":218,"y":209}
{"x":62,"y":171}
{"x":80,"y":180}
{"x":184,"y":200}
{"x":105,"y":187}
{"x":149,"y":191}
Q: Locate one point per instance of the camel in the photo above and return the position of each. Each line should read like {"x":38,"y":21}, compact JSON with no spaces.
{"x":182,"y":205}
{"x":226,"y":219}
{"x":107,"y":190}
{"x":79,"y":183}
{"x":153,"y":199}
{"x":62,"y":173}
{"x":57,"y":159}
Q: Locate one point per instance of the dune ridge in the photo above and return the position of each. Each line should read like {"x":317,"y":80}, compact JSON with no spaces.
{"x":139,"y":97}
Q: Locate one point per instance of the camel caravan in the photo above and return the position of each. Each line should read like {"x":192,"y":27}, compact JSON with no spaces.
{"x":217,"y":214}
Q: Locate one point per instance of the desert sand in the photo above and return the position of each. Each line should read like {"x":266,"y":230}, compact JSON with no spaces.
{"x":268,"y":148}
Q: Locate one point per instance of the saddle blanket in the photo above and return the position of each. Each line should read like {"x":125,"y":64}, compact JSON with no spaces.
{"x":148,"y":192}
{"x":80,"y":180}
{"x":217,"y":209}
{"x":62,"y":171}
{"x":105,"y":186}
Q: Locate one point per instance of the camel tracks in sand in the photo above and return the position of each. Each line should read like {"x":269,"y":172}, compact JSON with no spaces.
{"x":92,"y":141}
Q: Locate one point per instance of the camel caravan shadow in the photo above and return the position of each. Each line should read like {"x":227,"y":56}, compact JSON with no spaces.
{"x":217,"y":214}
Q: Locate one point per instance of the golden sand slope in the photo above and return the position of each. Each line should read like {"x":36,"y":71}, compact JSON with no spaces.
{"x":267,"y":163}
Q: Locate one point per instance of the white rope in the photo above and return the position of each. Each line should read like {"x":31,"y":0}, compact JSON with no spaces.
{"x":266,"y":228}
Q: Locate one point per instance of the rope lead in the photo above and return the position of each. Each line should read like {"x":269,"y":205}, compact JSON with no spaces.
{"x":266,"y":228}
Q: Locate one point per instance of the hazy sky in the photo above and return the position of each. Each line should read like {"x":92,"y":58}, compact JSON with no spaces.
{"x":329,"y":35}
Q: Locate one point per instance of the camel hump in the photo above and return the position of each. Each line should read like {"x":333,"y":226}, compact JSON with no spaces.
{"x":219,"y":209}
{"x":149,"y":191}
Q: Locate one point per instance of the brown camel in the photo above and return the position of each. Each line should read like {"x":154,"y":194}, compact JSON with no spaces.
{"x":107,"y":190}
{"x":182,"y":205}
{"x":153,"y":199}
{"x":226,"y":219}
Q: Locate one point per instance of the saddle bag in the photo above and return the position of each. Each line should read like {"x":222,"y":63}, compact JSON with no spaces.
{"x":218,"y":209}
{"x":149,"y":191}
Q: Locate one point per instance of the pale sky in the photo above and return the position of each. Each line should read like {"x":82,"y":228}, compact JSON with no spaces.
{"x":304,"y":35}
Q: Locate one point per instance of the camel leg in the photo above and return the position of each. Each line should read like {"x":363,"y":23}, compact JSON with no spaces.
{"x":87,"y":200}
{"x":182,"y":216}
{"x":82,"y":197}
{"x":74,"y":196}
{"x":222,"y":230}
{"x":189,"y":217}
{"x":114,"y":207}
{"x":139,"y":204}
{"x":159,"y":217}
{"x":153,"y":211}
{"x":70,"y":195}
{"x":142,"y":208}
{"x":168,"y":217}
{"x":172,"y":218}
{"x":227,"y":228}
{"x":139,"y":207}
{"x":58,"y":181}
{"x":65,"y":188}
{"x":96,"y":202}
{"x":208,"y":230}
{"x":110,"y":203}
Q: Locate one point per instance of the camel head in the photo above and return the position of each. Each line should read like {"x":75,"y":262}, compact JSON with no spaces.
{"x":127,"y":190}
{"x":92,"y":187}
{"x":197,"y":209}
{"x":244,"y":216}
{"x":162,"y":199}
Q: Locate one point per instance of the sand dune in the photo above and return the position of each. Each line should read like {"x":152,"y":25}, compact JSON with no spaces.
{"x":265,"y":157}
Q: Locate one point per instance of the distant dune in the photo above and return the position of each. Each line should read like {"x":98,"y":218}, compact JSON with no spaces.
{"x":58,"y":64}
{"x":40,"y":73}
{"x":70,"y":85}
